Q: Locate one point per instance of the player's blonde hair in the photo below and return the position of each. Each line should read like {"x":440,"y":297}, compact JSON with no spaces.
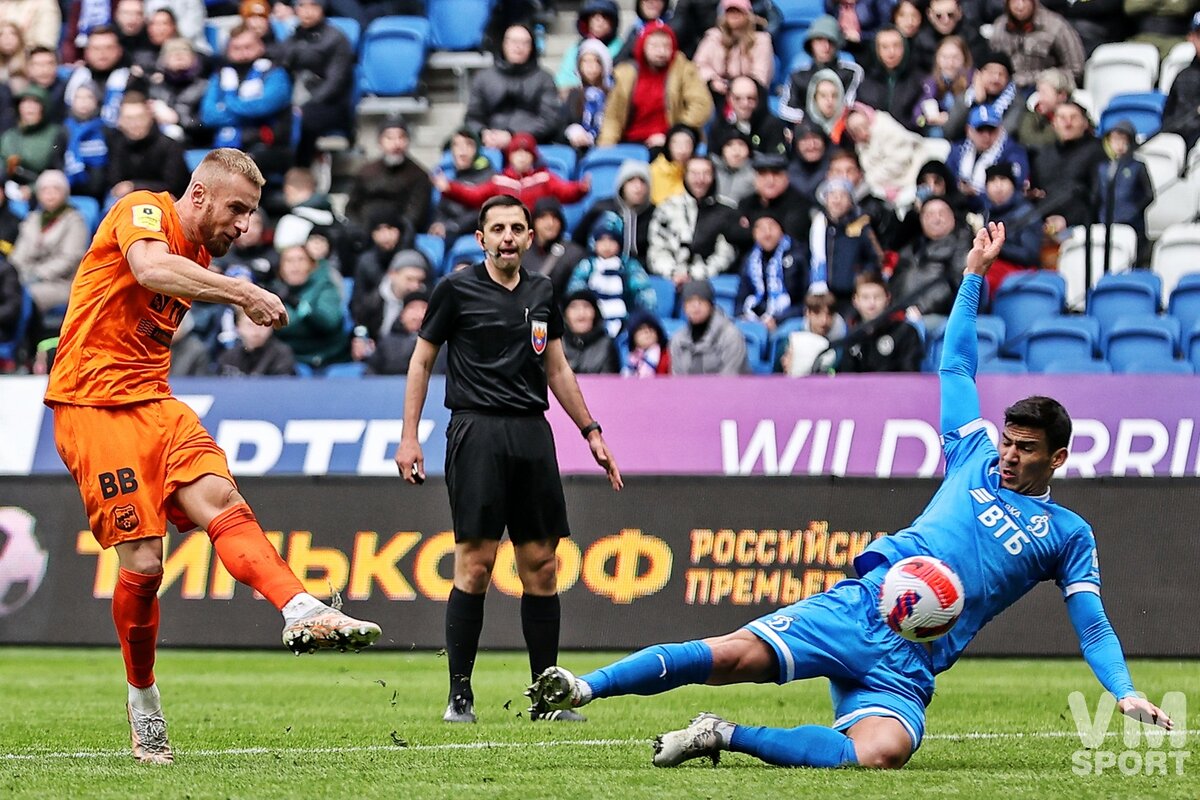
{"x":227,"y":161}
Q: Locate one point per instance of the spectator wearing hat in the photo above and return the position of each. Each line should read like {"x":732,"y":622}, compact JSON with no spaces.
{"x":822,"y":41}
{"x":1181,"y":114}
{"x":660,"y":88}
{"x":599,"y":21}
{"x":50,"y":242}
{"x":102,"y":65}
{"x":826,"y":104}
{"x":315,"y":330}
{"x":1064,"y":172}
{"x":734,"y":48}
{"x":1036,"y":39}
{"x":142,"y":157}
{"x":452,"y":219}
{"x":35,"y":144}
{"x":929,"y":268}
{"x":1022,"y":225}
{"x":524,"y":177}
{"x":1123,"y":186}
{"x":178,"y":85}
{"x":377,"y":298}
{"x":393,"y":184}
{"x":841,"y":245}
{"x":881,"y":341}
{"x":321,"y":62}
{"x":583,"y":104}
{"x":688,"y":233}
{"x":514,"y":95}
{"x":631,"y":203}
{"x":85,"y":152}
{"x":735,"y":173}
{"x":810,"y":158}
{"x":709,"y":344}
{"x":586,"y":343}
{"x":666,"y":169}
{"x":772,"y":193}
{"x":934,"y":180}
{"x":390,"y":354}
{"x":388,"y":237}
{"x":256,"y":352}
{"x":1054,"y":86}
{"x":648,"y":355}
{"x":890,"y":84}
{"x":249,"y":103}
{"x":619,"y":282}
{"x":986,"y":144}
{"x":552,"y":253}
{"x":769,"y":277}
{"x":647,"y":11}
{"x":747,"y":113}
{"x":992,"y":86}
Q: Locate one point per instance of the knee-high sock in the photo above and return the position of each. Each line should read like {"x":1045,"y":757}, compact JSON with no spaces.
{"x":540,"y":619}
{"x":464,"y":622}
{"x":806,"y":746}
{"x":249,"y":556}
{"x":653,"y":670}
{"x":135,"y":614}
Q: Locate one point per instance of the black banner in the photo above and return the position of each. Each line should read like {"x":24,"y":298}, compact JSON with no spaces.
{"x":668,"y":559}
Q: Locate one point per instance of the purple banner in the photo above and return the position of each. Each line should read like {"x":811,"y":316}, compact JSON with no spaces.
{"x":880,"y":426}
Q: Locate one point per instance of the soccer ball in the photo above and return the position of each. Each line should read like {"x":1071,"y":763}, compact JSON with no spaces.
{"x":22,"y":560}
{"x":921,"y":598}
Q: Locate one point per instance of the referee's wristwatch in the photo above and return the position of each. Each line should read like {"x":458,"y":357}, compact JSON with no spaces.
{"x":586,"y":430}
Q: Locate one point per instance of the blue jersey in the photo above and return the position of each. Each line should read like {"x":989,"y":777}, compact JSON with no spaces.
{"x":1000,"y":542}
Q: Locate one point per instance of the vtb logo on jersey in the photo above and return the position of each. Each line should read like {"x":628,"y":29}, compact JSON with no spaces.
{"x":539,"y":334}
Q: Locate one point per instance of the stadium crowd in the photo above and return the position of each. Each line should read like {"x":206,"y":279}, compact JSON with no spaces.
{"x":798,"y":215}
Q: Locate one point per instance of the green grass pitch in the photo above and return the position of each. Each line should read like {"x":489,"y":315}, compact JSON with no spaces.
{"x":268,"y":725}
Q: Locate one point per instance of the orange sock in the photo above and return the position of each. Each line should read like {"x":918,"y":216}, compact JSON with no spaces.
{"x":135,"y":613}
{"x":249,"y":557}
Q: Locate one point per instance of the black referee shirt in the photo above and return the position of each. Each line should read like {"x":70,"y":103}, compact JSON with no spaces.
{"x":497,"y":340}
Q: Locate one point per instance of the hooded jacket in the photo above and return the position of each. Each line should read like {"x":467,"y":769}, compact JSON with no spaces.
{"x":812,"y":113}
{"x":567,"y":76}
{"x":635,"y":219}
{"x":688,"y":100}
{"x":795,"y":90}
{"x":575,"y":105}
{"x":895,"y":91}
{"x":322,"y":61}
{"x":556,"y":259}
{"x":720,"y":348}
{"x":592,"y":352}
{"x":1046,"y":41}
{"x":688,"y":234}
{"x":1126,"y":182}
{"x":515,"y":97}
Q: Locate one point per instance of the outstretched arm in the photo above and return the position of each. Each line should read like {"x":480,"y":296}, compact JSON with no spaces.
{"x":960,"y":351}
{"x":561,"y":379}
{"x":1102,"y":652}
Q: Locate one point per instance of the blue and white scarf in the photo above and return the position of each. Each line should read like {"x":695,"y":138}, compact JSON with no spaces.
{"x":593,"y":110}
{"x":770,"y":293}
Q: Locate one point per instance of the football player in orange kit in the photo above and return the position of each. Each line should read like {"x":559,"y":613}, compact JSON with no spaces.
{"x":140,"y":456}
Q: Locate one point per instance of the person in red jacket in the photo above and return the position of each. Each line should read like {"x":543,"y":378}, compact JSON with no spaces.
{"x":524,"y":177}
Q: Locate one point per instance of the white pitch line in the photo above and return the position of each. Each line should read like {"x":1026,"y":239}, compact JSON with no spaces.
{"x":378,"y":748}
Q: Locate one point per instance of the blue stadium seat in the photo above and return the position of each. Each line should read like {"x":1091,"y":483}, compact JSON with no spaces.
{"x":800,"y":11}
{"x":458,"y":25}
{"x":89,"y":207}
{"x":194,"y":156}
{"x":8,"y":349}
{"x":1191,"y":345}
{"x":758,"y":342}
{"x":1002,"y":366}
{"x":990,"y":332}
{"x":1142,"y":338}
{"x":602,"y":164}
{"x":560,"y":159}
{"x":349,"y":28}
{"x":1168,"y":366}
{"x":664,"y":293}
{"x":463,"y":246}
{"x":433,"y":248}
{"x":1074,"y":366}
{"x":726,"y":285}
{"x":304,"y":370}
{"x":1124,"y":294}
{"x":1053,"y":338}
{"x":1184,"y":304}
{"x":1023,"y":298}
{"x":349,"y":369}
{"x":671,"y":325}
{"x":393,"y":53}
{"x":1143,"y":109}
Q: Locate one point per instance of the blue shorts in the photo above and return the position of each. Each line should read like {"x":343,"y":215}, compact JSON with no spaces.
{"x":872,"y":671}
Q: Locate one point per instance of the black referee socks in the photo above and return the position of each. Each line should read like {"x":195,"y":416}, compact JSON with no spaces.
{"x":464,"y":621}
{"x":539,"y":623}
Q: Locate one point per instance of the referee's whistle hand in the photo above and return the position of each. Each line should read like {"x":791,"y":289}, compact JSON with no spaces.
{"x":410,"y":462}
{"x":605,"y":459}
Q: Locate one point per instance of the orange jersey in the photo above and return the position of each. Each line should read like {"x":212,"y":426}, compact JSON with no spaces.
{"x":115,"y":347}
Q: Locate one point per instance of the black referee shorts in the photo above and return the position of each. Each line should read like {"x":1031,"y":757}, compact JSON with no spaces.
{"x":502,"y":472}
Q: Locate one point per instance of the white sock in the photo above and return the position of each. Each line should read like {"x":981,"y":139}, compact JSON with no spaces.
{"x":583,"y":692}
{"x":724,"y":732}
{"x":145,"y":701}
{"x":301,"y":606}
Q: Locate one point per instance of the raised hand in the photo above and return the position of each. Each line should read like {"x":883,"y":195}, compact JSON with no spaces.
{"x":985,"y":249}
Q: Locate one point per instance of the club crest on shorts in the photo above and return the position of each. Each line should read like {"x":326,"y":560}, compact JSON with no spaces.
{"x":539,"y":332}
{"x":125,"y":518}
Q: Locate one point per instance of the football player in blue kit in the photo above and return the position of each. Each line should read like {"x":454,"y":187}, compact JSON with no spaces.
{"x":992,"y":521}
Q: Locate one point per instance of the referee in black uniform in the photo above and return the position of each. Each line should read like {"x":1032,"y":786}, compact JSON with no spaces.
{"x":505,"y":336}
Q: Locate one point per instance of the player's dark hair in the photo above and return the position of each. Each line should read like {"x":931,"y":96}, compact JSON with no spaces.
{"x":502,"y":201}
{"x":1043,"y":413}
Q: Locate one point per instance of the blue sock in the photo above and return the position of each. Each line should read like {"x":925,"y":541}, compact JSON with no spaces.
{"x":653,"y":670}
{"x":806,"y":746}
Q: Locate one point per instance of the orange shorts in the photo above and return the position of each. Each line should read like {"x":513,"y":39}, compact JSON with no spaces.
{"x":129,"y":460}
